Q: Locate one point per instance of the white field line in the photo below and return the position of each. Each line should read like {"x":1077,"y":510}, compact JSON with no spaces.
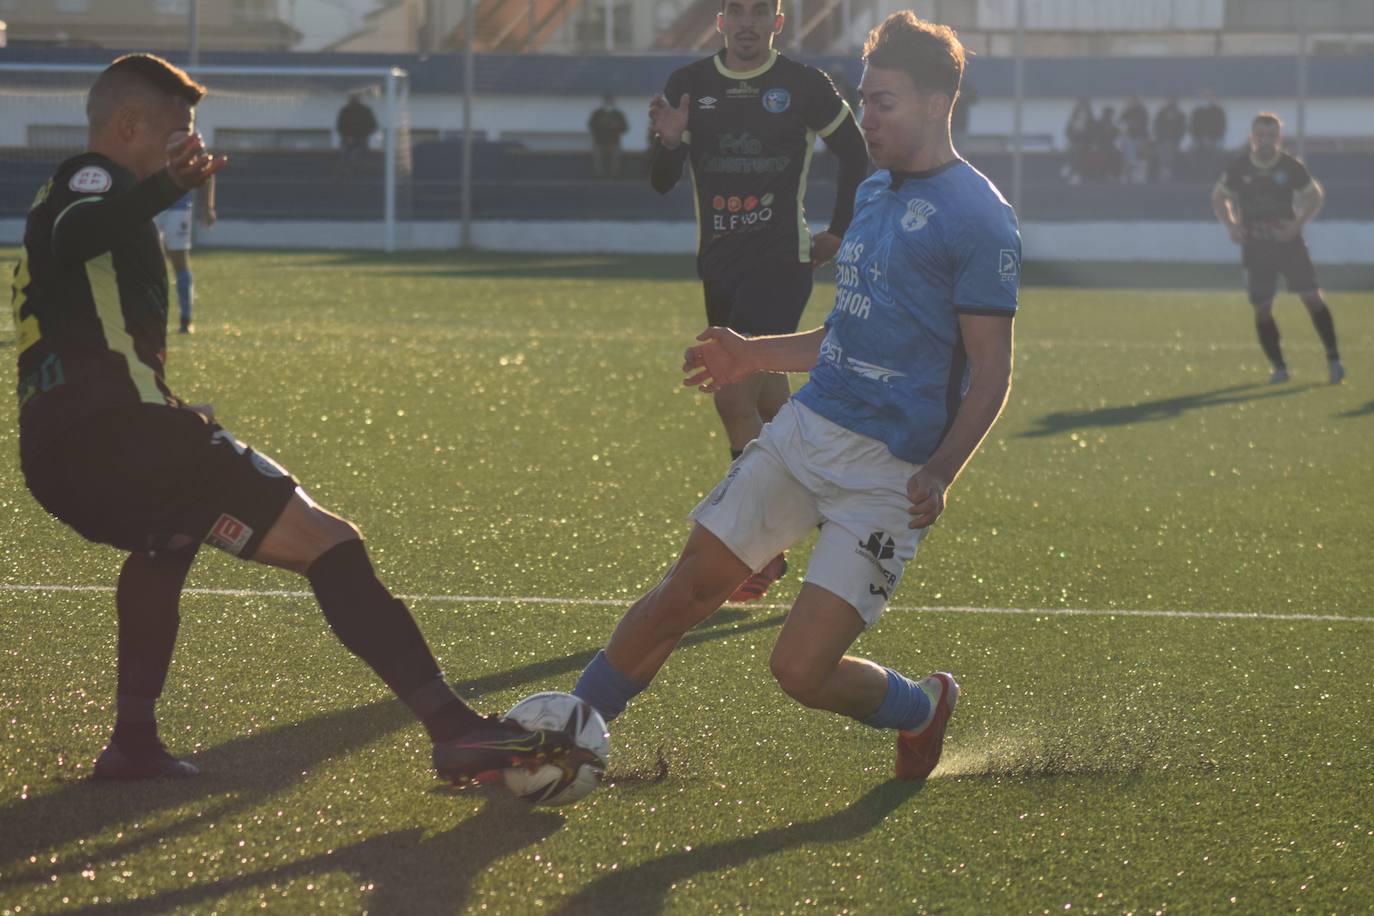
{"x":615,"y":602}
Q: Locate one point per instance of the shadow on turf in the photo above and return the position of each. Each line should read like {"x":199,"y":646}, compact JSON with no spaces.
{"x":1364,"y":411}
{"x":520,"y":266}
{"x":239,"y":773}
{"x":644,"y":888}
{"x":1162,"y":409}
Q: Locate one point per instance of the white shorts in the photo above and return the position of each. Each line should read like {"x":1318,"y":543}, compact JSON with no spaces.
{"x":175,"y":226}
{"x":801,"y":471}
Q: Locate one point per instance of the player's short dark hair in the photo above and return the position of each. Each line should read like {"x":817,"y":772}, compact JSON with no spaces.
{"x":1266,"y":117}
{"x":931,"y":54}
{"x":135,"y":74}
{"x":777,"y":5}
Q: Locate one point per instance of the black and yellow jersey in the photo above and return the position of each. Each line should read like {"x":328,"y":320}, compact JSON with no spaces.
{"x":749,"y":142}
{"x":1264,"y":191}
{"x":89,"y":298}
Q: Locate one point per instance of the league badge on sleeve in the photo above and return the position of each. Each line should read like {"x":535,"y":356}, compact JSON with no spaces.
{"x":1006,"y":265}
{"x":91,"y":180}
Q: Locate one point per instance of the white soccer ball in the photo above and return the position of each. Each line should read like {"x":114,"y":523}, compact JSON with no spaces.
{"x":580,"y":771}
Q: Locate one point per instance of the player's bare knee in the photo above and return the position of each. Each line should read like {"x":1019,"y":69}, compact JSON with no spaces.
{"x":689,"y":597}
{"x":798,"y":678}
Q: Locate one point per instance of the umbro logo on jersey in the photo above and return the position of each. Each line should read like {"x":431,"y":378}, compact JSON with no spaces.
{"x":880,"y":545}
{"x":918,"y":213}
{"x":707,"y":103}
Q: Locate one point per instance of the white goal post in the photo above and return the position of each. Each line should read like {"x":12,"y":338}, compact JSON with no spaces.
{"x":279,"y":120}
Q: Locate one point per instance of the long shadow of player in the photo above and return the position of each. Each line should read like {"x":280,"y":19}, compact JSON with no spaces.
{"x":237,"y":774}
{"x":410,"y":873}
{"x":1364,"y":411}
{"x":643,"y":888}
{"x":1162,"y":409}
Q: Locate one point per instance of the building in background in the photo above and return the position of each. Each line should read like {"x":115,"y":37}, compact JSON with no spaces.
{"x":224,"y":25}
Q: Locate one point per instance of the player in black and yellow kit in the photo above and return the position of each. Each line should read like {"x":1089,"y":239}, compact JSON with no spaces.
{"x":745,"y":122}
{"x":1255,"y":200}
{"x":107,"y":447}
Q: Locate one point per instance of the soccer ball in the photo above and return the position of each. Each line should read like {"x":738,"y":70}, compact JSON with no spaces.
{"x":580,"y":771}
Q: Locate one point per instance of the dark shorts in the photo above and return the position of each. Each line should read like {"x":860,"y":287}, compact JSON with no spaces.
{"x":768,"y":298}
{"x":1264,"y":261}
{"x":142,"y":478}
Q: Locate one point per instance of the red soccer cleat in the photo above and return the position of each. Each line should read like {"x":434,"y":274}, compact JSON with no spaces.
{"x":918,"y":752}
{"x":756,"y":586}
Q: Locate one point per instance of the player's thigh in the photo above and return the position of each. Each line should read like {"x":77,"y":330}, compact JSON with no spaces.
{"x":759,"y":508}
{"x":150,"y":477}
{"x":864,"y":548}
{"x":820,"y":628}
{"x":302,"y":533}
{"x":1261,"y":274}
{"x":771,"y":297}
{"x":1299,"y":273}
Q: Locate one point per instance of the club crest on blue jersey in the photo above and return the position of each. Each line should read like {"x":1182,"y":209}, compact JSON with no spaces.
{"x":918,"y":213}
{"x":777,"y":100}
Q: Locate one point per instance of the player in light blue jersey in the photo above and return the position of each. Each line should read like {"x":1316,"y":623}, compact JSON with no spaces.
{"x":174,"y":224}
{"x":908,"y":374}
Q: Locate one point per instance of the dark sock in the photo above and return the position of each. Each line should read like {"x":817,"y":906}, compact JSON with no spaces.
{"x":135,"y":731}
{"x":380,"y":630}
{"x":1269,"y":340}
{"x":1326,"y":330}
{"x":735,"y":453}
{"x":146,"y":601}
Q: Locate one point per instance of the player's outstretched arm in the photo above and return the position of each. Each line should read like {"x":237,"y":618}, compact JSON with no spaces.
{"x":988,"y":342}
{"x":724,"y":357}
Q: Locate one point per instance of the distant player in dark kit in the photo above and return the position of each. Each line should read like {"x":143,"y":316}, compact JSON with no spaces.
{"x":745,"y":122}
{"x":1264,"y":198}
{"x":107,"y":448}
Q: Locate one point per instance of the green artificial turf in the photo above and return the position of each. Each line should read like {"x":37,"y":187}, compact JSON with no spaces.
{"x":507,"y":428}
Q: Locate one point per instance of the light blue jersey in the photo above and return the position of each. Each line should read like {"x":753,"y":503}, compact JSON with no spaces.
{"x":923,"y":248}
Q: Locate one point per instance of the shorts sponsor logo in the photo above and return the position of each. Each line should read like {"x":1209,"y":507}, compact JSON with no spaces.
{"x":229,"y":534}
{"x":724,"y":485}
{"x":776,"y":100}
{"x":918,"y":213}
{"x":266,"y":466}
{"x":1006,"y":265}
{"x":878,"y":547}
{"x":707,"y":103}
{"x":91,"y":180}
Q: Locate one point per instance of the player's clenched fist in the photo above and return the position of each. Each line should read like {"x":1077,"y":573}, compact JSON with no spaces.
{"x":719,"y":360}
{"x":188,"y":161}
{"x":668,"y":121}
{"x":927,"y":495}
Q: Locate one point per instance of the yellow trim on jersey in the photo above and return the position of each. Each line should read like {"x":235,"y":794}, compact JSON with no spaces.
{"x":687,"y":137}
{"x":26,"y":329}
{"x":839,"y":119}
{"x":747,"y":74}
{"x":696,"y":207}
{"x":67,"y":209}
{"x":100,"y":273}
{"x":804,"y":231}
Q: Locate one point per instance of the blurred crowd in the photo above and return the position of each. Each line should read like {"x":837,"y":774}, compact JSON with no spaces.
{"x":1134,"y":146}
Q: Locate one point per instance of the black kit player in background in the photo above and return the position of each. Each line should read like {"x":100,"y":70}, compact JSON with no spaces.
{"x":107,"y":448}
{"x":745,"y":121}
{"x":1255,"y":202}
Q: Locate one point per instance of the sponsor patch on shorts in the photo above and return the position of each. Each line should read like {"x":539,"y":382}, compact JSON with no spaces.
{"x":91,"y":180}
{"x":229,"y":534}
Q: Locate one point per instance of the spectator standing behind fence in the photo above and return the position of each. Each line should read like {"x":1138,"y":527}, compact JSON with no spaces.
{"x":1208,"y":126}
{"x":1135,"y":140}
{"x":1079,"y":134}
{"x":1104,"y":157}
{"x":1170,"y":126}
{"x":607,"y":125}
{"x":356,"y":124}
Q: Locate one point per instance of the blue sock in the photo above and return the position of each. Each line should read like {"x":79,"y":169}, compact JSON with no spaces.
{"x":605,"y":688}
{"x":184,"y":290}
{"x":905,"y":705}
